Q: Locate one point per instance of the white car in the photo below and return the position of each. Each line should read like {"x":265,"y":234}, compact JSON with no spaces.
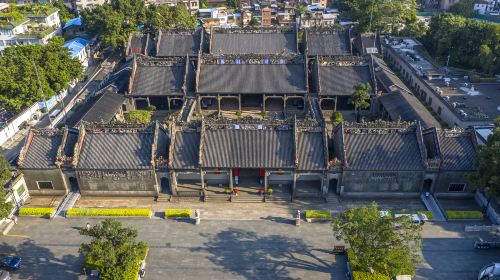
{"x":415,"y":218}
{"x":490,"y":272}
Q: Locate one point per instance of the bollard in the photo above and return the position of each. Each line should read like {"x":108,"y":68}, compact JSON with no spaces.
{"x":197,"y":216}
{"x":297,"y":219}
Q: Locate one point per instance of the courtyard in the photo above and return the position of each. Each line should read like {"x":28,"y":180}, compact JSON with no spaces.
{"x":265,"y":248}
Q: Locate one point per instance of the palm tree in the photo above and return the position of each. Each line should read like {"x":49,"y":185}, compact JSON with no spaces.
{"x":360,"y":98}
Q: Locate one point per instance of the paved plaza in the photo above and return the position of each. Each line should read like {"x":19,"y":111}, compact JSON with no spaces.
{"x":268,"y":248}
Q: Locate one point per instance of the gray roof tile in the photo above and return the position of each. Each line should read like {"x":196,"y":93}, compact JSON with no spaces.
{"x":252,"y":78}
{"x":128,"y":150}
{"x":179,"y":44}
{"x":457,"y":151}
{"x":255,"y":43}
{"x":105,"y":108}
{"x":327,"y":44}
{"x":231,"y":148}
{"x":186,"y":150}
{"x":158,"y":80}
{"x":310,"y":151}
{"x":42,"y":151}
{"x":383,"y":152}
{"x":341,"y":80}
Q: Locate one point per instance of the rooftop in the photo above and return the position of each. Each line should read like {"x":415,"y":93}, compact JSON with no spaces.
{"x":178,"y":43}
{"x":327,"y":43}
{"x":253,"y":42}
{"x":158,"y":77}
{"x":341,"y":80}
{"x":76,"y":45}
{"x":40,"y":151}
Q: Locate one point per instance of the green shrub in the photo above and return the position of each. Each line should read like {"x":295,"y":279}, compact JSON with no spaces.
{"x":475,"y":215}
{"x":182,"y":213}
{"x":151,"y":108}
{"x":139,"y":212}
{"x":138,"y":117}
{"x":43,"y":211}
{"x":318,"y":214}
{"x":238,"y":113}
{"x":362,"y":275}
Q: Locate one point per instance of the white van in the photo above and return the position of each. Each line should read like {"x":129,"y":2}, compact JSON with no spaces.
{"x":54,"y":114}
{"x":415,"y":218}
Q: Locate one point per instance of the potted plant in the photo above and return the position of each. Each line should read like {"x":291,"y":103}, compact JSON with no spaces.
{"x":235,"y":190}
{"x":227,"y":191}
{"x":270,"y":191}
{"x":261,"y":191}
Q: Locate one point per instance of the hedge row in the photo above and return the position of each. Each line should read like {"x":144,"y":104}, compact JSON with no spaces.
{"x":28,"y":211}
{"x":139,"y":212}
{"x":180,"y":213}
{"x":318,"y":214}
{"x":474,"y":215}
{"x":362,"y":275}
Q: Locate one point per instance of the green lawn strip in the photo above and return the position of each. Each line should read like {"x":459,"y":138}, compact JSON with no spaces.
{"x":318,"y":214}
{"x":132,"y":212}
{"x":33,"y":211}
{"x":428,"y":214}
{"x":178,"y":213}
{"x":466,"y":215}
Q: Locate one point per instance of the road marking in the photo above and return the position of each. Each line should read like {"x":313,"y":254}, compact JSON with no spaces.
{"x":16,"y":235}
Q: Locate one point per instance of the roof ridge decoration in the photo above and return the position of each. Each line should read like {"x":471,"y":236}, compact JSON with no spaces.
{"x":295,"y":142}
{"x":202,"y":141}
{"x":325,"y":29}
{"x":48,"y":132}
{"x":117,"y":128}
{"x":60,"y":157}
{"x":179,"y":31}
{"x":423,"y":150}
{"x":143,"y":60}
{"x":347,"y":60}
{"x":218,"y":122}
{"x":265,"y":59}
{"x":253,"y":30}
{"x":379,"y":127}
{"x":172,"y":131}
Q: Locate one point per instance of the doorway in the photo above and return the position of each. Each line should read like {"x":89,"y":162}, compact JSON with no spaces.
{"x":427,"y":186}
{"x":165,"y":185}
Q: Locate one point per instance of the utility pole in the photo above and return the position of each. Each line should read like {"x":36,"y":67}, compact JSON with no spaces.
{"x":371,"y":16}
{"x":41,"y":89}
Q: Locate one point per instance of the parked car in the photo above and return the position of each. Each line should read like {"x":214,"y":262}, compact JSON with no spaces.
{"x":490,"y":272}
{"x":11,"y":262}
{"x":415,"y":218}
{"x":4,"y":275}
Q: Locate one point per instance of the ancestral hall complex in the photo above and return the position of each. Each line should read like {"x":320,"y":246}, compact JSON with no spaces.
{"x":245,"y":112}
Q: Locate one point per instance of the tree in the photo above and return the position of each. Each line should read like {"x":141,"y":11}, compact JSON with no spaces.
{"x":235,"y":4}
{"x":65,"y":14}
{"x":487,"y":176}
{"x":379,"y":15}
{"x":204,"y":4}
{"x":301,"y":10}
{"x":166,"y":17}
{"x":360,"y":98}
{"x":337,"y":118}
{"x":18,"y":79}
{"x":5,"y":175}
{"x":138,"y":117}
{"x":464,"y":8}
{"x":377,"y":243}
{"x":113,"y":250}
{"x":253,"y":22}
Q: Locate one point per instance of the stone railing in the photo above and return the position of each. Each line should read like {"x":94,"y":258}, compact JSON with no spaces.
{"x":253,"y":30}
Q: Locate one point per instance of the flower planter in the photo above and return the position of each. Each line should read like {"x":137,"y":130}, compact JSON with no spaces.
{"x":313,"y":220}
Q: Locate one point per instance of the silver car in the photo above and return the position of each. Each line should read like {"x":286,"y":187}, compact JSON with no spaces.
{"x":490,"y":272}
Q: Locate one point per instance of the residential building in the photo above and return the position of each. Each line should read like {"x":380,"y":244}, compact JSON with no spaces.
{"x":80,"y":5}
{"x":79,"y":49}
{"x":266,"y":17}
{"x":485,"y":7}
{"x":36,"y":25}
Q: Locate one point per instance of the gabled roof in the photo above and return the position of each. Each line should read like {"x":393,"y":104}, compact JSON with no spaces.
{"x":106,"y":107}
{"x":178,"y":44}
{"x":457,"y":150}
{"x":389,"y":80}
{"x":76,"y":45}
{"x":404,"y":106}
{"x":327,"y":43}
{"x":310,"y":150}
{"x":121,"y":148}
{"x":139,"y":44}
{"x":40,"y":149}
{"x":382,"y":149}
{"x":253,"y":43}
{"x":185,"y":154}
{"x":252,"y":78}
{"x":76,"y":22}
{"x":341,"y":80}
{"x":231,"y":148}
{"x":158,"y":79}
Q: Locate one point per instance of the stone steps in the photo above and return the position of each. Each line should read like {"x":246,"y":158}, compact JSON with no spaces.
{"x":278,"y":198}
{"x":248,"y":199}
{"x":164,"y":198}
{"x":217,"y":198}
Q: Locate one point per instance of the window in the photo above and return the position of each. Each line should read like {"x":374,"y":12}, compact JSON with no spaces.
{"x":282,"y":61}
{"x":237,"y":61}
{"x":45,"y":185}
{"x":266,"y":61}
{"x":430,"y":101}
{"x":456,"y":187}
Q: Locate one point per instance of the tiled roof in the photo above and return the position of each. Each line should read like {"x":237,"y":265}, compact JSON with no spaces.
{"x":158,"y":80}
{"x":71,"y":140}
{"x":42,"y":151}
{"x":407,"y":107}
{"x":382,"y":152}
{"x":327,"y":44}
{"x":231,"y":148}
{"x":186,"y":150}
{"x":178,"y":44}
{"x":252,"y":78}
{"x":255,"y":43}
{"x":140,"y":44}
{"x":387,"y":77}
{"x":105,"y":107}
{"x":457,"y":151}
{"x":341,"y":80}
{"x":310,"y":151}
{"x":128,"y":150}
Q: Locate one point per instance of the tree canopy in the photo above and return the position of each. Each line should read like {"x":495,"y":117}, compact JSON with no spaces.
{"x":380,"y":15}
{"x":115,"y":20}
{"x":377,"y":243}
{"x":468,"y":42}
{"x":359,"y":99}
{"x":487,"y":176}
{"x":138,"y":117}
{"x":18,"y":79}
{"x":113,"y":250}
{"x":65,"y":14}
{"x":5,"y":175}
{"x":464,"y":8}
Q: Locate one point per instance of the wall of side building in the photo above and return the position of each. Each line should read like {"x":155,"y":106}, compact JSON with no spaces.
{"x":381,"y":183}
{"x":450,"y":184}
{"x":117,"y":182}
{"x":42,"y":177}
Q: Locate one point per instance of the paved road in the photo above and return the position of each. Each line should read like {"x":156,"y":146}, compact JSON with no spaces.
{"x":259,"y":249}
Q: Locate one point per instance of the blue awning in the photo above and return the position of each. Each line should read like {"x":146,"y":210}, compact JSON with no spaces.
{"x":76,"y":45}
{"x":77,"y":22}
